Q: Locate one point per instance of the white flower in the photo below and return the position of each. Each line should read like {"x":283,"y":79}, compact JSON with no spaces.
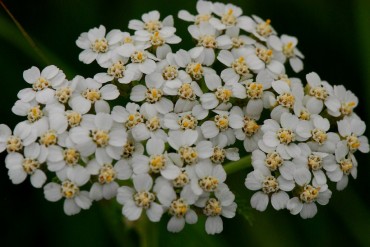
{"x":346,"y":165}
{"x":271,"y":188}
{"x":116,"y":70}
{"x":281,"y":137}
{"x":178,"y":206}
{"x":75,"y":199}
{"x":223,"y":204}
{"x":245,"y":128}
{"x":230,"y":16}
{"x":311,"y":162}
{"x":240,"y":65}
{"x":348,"y":101}
{"x":150,"y":22}
{"x":320,"y":92}
{"x":267,"y":57}
{"x":20,"y":166}
{"x":317,"y":130}
{"x":99,"y":136}
{"x":43,"y":84}
{"x":286,"y":48}
{"x":207,"y":178}
{"x":258,"y":27}
{"x":220,"y":125}
{"x":157,"y":162}
{"x":221,"y":95}
{"x":305,"y":204}
{"x":238,"y":40}
{"x":97,"y":45}
{"x":187,"y":153}
{"x":142,"y":62}
{"x":220,"y":152}
{"x":15,"y":142}
{"x":352,"y":130}
{"x":135,"y":200}
{"x":106,"y":187}
{"x":194,"y":68}
{"x":181,"y":121}
{"x":274,"y":162}
{"x":159,"y":40}
{"x":208,"y":40}
{"x":152,"y":94}
{"x":204,"y":9}
{"x":90,"y":92}
{"x":286,"y":99}
{"x":36,"y":120}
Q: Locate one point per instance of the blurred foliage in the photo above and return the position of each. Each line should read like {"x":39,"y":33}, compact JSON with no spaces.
{"x":334,"y":36}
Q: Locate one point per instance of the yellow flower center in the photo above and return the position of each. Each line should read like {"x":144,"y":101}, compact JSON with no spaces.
{"x":34,"y":114}
{"x":347,"y":108}
{"x":353,"y":142}
{"x":49,"y":138}
{"x":213,"y":207}
{"x":40,"y":84}
{"x":270,"y":185}
{"x":223,"y":94}
{"x":182,"y":180}
{"x":319,"y":93}
{"x":92,"y":94}
{"x":319,"y":136}
{"x":186,"y":92}
{"x":202,"y":18}
{"x":187,"y":122}
{"x":207,"y":41}
{"x":240,"y":66}
{"x":170,"y":72}
{"x":264,"y":28}
{"x":189,"y":155}
{"x":250,"y":126}
{"x":157,"y":163}
{"x":128,"y":150}
{"x":156,"y":39}
{"x":254,"y":90}
{"x":346,"y":166}
{"x":237,"y":42}
{"x":30,"y":165}
{"x":288,"y":49}
{"x":264,"y":54}
{"x":116,"y":70}
{"x":63,"y":94}
{"x":153,"y":124}
{"x":153,"y":26}
{"x":71,"y":156}
{"x":222,"y":122}
{"x":107,"y":174}
{"x":285,"y":136}
{"x":100,"y":137}
{"x":286,"y":99}
{"x":178,"y":208}
{"x":229,"y":18}
{"x":314,"y":162}
{"x":69,"y":189}
{"x":138,"y":57}
{"x":309,"y":194}
{"x":144,"y":199}
{"x":14,"y":144}
{"x":218,"y":155}
{"x":304,"y":115}
{"x":74,"y":118}
{"x":273,"y":161}
{"x":208,"y":183}
{"x":100,"y":45}
{"x":153,"y":95}
{"x":134,"y":119}
{"x":195,"y":70}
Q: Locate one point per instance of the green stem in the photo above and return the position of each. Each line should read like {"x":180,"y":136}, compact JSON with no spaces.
{"x":235,"y":166}
{"x":147,"y":231}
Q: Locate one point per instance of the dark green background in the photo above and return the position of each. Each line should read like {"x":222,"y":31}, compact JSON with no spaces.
{"x":335,"y":37}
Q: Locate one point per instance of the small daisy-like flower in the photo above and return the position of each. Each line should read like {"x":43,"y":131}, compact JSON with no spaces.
{"x":281,"y":137}
{"x":36,"y":120}
{"x":135,"y":200}
{"x":99,"y":137}
{"x":230,"y":16}
{"x":20,"y":166}
{"x":346,"y":164}
{"x":204,"y":9}
{"x":106,"y":186}
{"x":189,"y":151}
{"x":150,"y":22}
{"x":286,"y":99}
{"x":142,"y":62}
{"x":159,"y":40}
{"x":220,"y":125}
{"x":97,"y":45}
{"x":258,"y":27}
{"x":152,"y":93}
{"x":238,"y":40}
{"x":320,"y":92}
{"x":14,"y":142}
{"x":317,"y":129}
{"x":43,"y":84}
{"x":286,"y":48}
{"x":179,"y":207}
{"x":69,"y":188}
{"x":239,"y":65}
{"x":305,"y":202}
{"x":116,"y":70}
{"x":311,"y":162}
{"x":208,"y":40}
{"x":245,"y":128}
{"x":157,"y":162}
{"x":220,"y":95}
{"x":207,"y":178}
{"x":272,"y":188}
{"x":348,"y":101}
{"x":352,"y":130}
{"x":274,"y":162}
{"x":192,"y":67}
{"x":221,"y":205}
{"x":221,"y":153}
{"x":90,"y":92}
{"x":181,"y":122}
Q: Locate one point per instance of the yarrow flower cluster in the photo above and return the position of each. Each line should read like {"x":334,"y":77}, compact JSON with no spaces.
{"x":155,"y":128}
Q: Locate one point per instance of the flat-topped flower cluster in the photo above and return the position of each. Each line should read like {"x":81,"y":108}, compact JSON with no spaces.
{"x":155,"y":127}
